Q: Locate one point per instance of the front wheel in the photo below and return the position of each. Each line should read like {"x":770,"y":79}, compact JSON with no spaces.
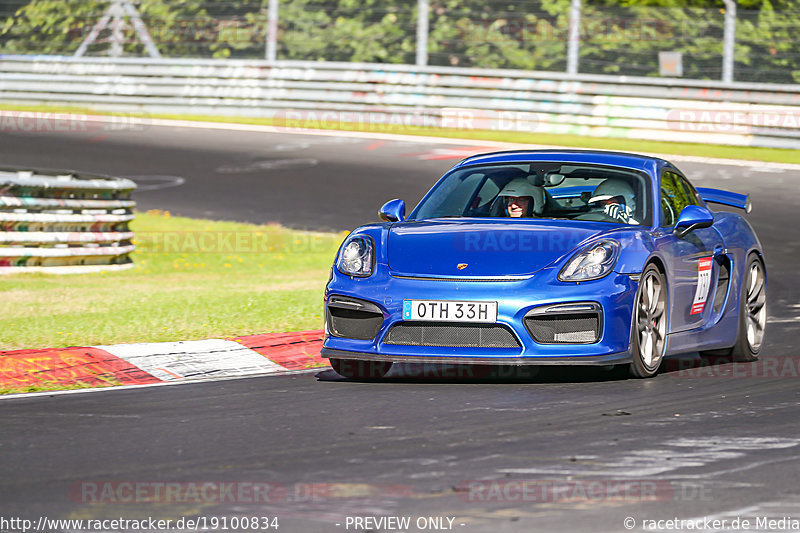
{"x":363,"y":370}
{"x":649,"y":329}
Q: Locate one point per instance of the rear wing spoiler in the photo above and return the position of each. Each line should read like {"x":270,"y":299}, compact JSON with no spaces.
{"x":733,"y":199}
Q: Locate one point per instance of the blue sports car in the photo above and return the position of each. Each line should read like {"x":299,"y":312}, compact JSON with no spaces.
{"x":568,"y":257}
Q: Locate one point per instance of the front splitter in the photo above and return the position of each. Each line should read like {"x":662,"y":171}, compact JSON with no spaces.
{"x":601,"y":360}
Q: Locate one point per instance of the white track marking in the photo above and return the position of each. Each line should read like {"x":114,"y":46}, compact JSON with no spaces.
{"x":159,"y":182}
{"x":170,"y":361}
{"x":773,"y":320}
{"x":774,"y":510}
{"x":672,"y":455}
{"x":760,"y":169}
{"x":275,"y":164}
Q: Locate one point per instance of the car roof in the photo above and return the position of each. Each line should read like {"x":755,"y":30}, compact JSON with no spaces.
{"x":601,"y":157}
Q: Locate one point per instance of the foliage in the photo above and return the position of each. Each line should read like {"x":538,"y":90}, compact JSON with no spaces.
{"x":616,"y":36}
{"x":348,"y":30}
{"x":179,"y":28}
{"x":767,"y":44}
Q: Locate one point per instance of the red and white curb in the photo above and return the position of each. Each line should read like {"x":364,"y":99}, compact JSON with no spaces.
{"x":161,"y":362}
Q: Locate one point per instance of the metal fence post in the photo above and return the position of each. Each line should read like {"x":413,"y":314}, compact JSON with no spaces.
{"x":141,"y":29}
{"x":114,"y":18}
{"x":574,"y":36}
{"x":729,"y":41}
{"x":272,"y":31}
{"x":423,"y":9}
{"x":117,"y":25}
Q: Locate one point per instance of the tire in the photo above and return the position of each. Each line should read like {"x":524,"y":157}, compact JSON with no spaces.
{"x":649,"y":324}
{"x":752,"y":312}
{"x":361,"y":370}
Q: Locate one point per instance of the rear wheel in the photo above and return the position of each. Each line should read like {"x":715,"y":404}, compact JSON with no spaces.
{"x":649,"y":330}
{"x":358,"y":369}
{"x":752,"y":312}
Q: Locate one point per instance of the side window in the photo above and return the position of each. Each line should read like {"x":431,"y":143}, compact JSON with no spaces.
{"x":486,"y":194}
{"x":454,"y":195}
{"x":691,"y":193}
{"x":675,"y":195}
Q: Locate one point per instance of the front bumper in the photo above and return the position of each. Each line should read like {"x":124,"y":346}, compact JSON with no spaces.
{"x":590,"y":360}
{"x":614,"y":294}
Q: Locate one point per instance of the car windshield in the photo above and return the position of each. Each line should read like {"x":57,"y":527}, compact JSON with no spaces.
{"x":574,"y":191}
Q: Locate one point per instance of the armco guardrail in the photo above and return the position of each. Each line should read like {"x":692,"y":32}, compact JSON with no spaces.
{"x":61,"y":222}
{"x":300,"y":94}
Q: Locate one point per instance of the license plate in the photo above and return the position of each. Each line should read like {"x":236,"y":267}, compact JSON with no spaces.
{"x":449,"y":311}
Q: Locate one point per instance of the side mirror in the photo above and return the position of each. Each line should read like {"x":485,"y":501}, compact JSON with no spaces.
{"x":691,"y":218}
{"x":393,"y":211}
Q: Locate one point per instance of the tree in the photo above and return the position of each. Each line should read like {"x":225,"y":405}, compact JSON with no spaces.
{"x":348,"y":30}
{"x":185,"y":28}
{"x":617,"y":36}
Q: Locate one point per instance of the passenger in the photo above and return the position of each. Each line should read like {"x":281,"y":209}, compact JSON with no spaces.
{"x":617,"y":199}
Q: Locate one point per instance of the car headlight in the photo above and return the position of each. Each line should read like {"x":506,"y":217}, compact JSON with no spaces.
{"x":593,"y":262}
{"x":357,"y":256}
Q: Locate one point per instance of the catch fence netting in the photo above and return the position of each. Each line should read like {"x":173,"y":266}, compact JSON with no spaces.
{"x":526,"y":34}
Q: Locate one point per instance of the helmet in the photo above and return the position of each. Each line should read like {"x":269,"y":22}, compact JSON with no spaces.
{"x":522,"y":187}
{"x":619,"y":190}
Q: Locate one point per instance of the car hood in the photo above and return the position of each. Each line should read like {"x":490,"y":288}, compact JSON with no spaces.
{"x":488,"y":248}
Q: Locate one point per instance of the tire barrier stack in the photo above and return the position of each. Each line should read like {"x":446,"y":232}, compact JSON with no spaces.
{"x":304,"y":94}
{"x":63,"y":222}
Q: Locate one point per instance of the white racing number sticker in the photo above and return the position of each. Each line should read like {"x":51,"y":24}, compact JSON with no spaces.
{"x":449,"y":311}
{"x":703,"y":284}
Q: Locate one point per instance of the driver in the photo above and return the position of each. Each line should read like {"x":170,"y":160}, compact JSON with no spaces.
{"x":617,"y":199}
{"x":522,"y":198}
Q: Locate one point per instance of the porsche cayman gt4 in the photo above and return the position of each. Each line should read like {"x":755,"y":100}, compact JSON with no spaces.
{"x":547,"y":257}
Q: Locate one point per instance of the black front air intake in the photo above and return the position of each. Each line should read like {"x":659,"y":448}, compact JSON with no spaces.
{"x":353,"y":318}
{"x":723,"y":283}
{"x":565,"y":324}
{"x":452,"y":335}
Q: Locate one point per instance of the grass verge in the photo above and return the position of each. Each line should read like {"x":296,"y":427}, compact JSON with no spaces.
{"x":776,"y":155}
{"x":193,"y":279}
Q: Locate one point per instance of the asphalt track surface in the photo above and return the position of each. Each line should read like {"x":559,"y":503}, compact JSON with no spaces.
{"x":704,"y":439}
